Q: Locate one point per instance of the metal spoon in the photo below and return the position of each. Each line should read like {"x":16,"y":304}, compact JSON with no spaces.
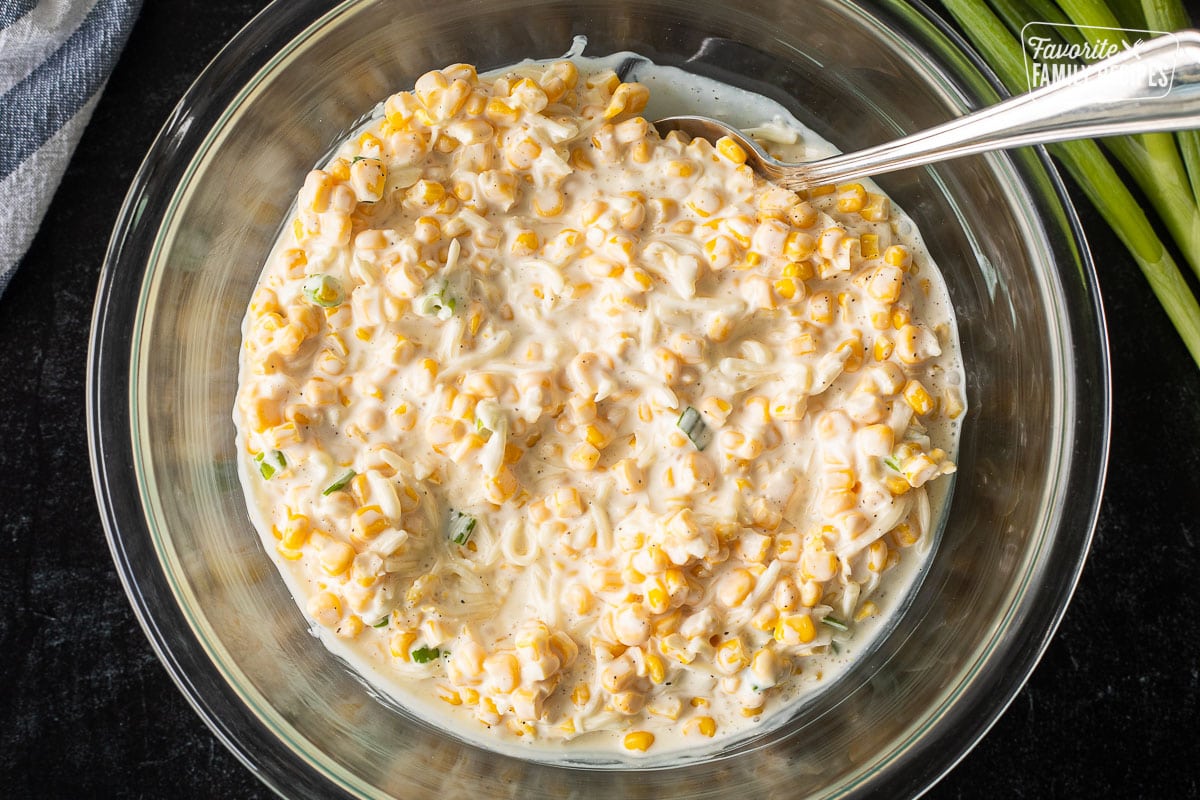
{"x":1153,"y":86}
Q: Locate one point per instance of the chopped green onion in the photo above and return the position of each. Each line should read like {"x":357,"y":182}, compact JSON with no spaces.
{"x":382,"y":623}
{"x":427,"y":305}
{"x":324,"y":290}
{"x":893,"y":463}
{"x":461,"y":527}
{"x":357,"y":159}
{"x":437,"y":304}
{"x":835,"y":623}
{"x":340,"y":483}
{"x":269,"y":463}
{"x":834,"y":647}
{"x":423,"y":655}
{"x":691,"y":424}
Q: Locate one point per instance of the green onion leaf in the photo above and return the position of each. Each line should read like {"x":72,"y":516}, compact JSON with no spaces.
{"x":1152,"y":159}
{"x":269,"y":463}
{"x":323,"y":290}
{"x":382,"y":623}
{"x":694,"y":427}
{"x":340,"y":483}
{"x":893,"y":463}
{"x":1170,"y":15}
{"x":1095,"y":175}
{"x":461,"y":526}
{"x":357,"y":159}
{"x":835,"y":623}
{"x":423,"y":655}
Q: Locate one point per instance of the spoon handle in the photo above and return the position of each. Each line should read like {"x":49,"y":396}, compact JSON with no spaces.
{"x":1153,"y":86}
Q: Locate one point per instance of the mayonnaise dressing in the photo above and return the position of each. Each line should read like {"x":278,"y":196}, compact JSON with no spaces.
{"x":585,"y":445}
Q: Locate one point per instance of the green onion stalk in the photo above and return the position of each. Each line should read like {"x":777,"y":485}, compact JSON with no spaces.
{"x":1165,"y":167}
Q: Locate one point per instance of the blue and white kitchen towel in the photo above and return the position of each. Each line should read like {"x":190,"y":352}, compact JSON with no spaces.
{"x":55,"y":56}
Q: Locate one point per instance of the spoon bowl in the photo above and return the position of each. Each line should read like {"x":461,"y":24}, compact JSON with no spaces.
{"x":789,"y":176}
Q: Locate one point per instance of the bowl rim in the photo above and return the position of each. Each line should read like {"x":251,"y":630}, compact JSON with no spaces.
{"x":1023,"y":668}
{"x":110,"y":420}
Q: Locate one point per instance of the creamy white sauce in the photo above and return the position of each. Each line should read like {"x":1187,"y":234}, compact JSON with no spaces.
{"x":515,"y":575}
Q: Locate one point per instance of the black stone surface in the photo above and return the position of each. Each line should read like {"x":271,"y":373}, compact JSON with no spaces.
{"x":86,"y":710}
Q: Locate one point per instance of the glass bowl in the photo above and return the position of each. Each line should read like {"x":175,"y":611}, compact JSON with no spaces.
{"x":201,"y":217}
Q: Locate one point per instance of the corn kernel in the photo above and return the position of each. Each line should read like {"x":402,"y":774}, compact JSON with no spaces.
{"x":765,"y":618}
{"x":325,"y":608}
{"x":627,"y":98}
{"x":898,"y":256}
{"x":905,"y":535}
{"x":795,"y":629}
{"x":869,"y":242}
{"x":802,"y":345}
{"x":296,"y":530}
{"x":401,"y":644}
{"x":731,"y":656}
{"x":503,"y":671}
{"x":952,"y":403}
{"x":877,"y":208}
{"x":918,"y":398}
{"x":719,"y":328}
{"x":655,"y":669}
{"x":598,"y":434}
{"x":877,"y":555}
{"x":368,"y":522}
{"x":810,"y":593}
{"x":629,"y":476}
{"x":525,"y":243}
{"x":716,"y":410}
{"x":735,"y":587}
{"x":851,"y":198}
{"x":789,"y":289}
{"x":638,"y":740}
{"x":820,"y":308}
{"x":502,"y":486}
{"x":868,"y":609}
{"x":349,"y":628}
{"x":885,"y":284}
{"x":336,"y":557}
{"x":565,"y":502}
{"x":584,"y":457}
{"x":548,"y":203}
{"x":579,"y":599}
{"x":731,"y":150}
{"x":680,"y":168}
{"x":657,"y":600}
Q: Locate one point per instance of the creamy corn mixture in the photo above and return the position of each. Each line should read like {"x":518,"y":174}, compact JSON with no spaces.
{"x":583,"y":431}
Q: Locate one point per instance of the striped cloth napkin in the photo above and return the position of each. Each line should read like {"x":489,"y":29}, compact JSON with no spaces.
{"x":55,"y":56}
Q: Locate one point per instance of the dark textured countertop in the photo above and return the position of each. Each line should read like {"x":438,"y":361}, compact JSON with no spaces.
{"x":86,"y":710}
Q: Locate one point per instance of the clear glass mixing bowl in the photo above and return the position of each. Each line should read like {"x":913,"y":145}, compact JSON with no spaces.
{"x":205,"y":208}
